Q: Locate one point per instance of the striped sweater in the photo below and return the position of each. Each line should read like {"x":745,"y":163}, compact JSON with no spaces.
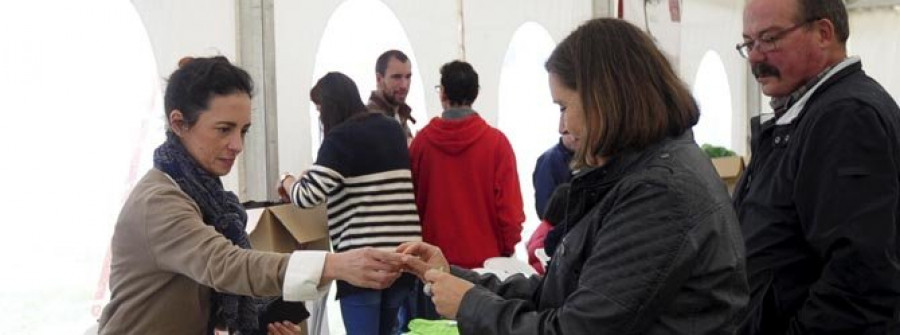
{"x":362,"y":171}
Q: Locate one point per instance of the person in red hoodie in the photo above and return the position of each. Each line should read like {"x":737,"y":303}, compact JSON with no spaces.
{"x":466,"y":186}
{"x":464,"y":174}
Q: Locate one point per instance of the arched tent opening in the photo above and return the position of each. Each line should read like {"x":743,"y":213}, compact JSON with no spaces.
{"x":527,"y":114}
{"x":85,"y":115}
{"x":355,"y":35}
{"x":713,"y":94}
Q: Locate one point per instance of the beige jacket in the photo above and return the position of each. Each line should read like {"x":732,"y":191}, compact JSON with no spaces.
{"x":165,"y":261}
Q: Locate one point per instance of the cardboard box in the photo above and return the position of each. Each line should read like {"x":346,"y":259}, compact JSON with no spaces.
{"x":285,"y":228}
{"x":729,"y":169}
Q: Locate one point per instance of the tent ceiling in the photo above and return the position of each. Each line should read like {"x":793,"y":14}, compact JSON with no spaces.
{"x":862,"y":4}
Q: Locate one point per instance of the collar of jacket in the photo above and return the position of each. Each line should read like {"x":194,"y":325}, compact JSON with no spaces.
{"x":623,"y":164}
{"x":794,"y":111}
{"x":402,"y":109}
{"x":780,"y":105}
{"x":590,"y":185}
{"x":457,"y":113}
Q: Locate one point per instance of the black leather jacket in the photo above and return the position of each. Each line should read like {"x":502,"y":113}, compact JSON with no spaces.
{"x":653,"y":247}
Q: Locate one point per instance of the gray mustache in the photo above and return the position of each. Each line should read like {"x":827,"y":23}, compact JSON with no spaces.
{"x":764,"y":70}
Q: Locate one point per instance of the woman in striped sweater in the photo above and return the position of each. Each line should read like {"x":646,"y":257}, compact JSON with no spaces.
{"x":362,"y":171}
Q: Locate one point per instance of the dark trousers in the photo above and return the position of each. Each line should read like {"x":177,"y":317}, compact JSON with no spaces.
{"x":418,"y":306}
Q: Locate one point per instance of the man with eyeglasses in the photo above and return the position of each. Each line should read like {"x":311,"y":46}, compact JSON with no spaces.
{"x":819,"y":204}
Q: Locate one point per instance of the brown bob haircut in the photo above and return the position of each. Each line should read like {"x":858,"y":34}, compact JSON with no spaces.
{"x":631,"y":96}
{"x":338,"y":100}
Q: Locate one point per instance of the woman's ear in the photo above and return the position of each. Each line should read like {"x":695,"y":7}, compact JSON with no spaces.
{"x":176,"y":122}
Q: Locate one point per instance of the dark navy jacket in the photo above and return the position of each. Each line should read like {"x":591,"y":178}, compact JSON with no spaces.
{"x":551,"y":170}
{"x":819,"y":208}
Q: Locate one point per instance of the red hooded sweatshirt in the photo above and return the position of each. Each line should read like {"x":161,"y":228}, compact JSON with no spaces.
{"x":467,"y":190}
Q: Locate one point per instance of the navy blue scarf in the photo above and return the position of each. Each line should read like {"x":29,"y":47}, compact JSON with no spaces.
{"x":222,"y":210}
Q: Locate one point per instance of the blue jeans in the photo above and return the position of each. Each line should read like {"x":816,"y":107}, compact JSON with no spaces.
{"x":374,"y":312}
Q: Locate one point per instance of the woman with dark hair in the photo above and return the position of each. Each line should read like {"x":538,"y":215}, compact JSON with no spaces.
{"x":181,"y":262}
{"x":362,"y":170}
{"x":651,"y":244}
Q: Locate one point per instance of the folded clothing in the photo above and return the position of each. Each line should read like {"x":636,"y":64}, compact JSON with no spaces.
{"x":432,"y":327}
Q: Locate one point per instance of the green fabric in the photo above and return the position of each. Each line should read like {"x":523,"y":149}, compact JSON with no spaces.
{"x":432,"y":327}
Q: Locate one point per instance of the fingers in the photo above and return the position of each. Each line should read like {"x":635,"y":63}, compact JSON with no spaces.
{"x":375,"y":279}
{"x":392,"y":258}
{"x":415,"y":248}
{"x":386,"y":279}
{"x":379,"y":260}
{"x":433,"y":275}
{"x":407,"y":248}
{"x":402,"y":248}
{"x":435,"y":288}
{"x":447,"y":291}
{"x":380,"y":268}
{"x":415,"y":265}
{"x":427,"y":252}
{"x":283,"y":328}
{"x":282,"y":193}
{"x":283,"y":190}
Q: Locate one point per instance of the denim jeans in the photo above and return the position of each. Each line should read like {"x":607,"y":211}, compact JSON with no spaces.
{"x":374,"y":312}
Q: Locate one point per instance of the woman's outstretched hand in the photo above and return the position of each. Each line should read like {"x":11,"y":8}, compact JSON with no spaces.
{"x":365,"y":267}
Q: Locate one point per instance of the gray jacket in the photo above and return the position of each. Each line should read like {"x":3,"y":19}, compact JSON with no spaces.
{"x":652,"y":247}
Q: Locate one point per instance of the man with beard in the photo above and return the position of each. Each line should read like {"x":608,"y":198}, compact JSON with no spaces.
{"x":819,"y":205}
{"x":393,"y":72}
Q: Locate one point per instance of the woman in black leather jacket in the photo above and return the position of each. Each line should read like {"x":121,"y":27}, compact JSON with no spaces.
{"x":652,"y":244}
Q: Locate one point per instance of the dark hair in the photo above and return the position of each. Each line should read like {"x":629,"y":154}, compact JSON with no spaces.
{"x":832,"y":10}
{"x":338,"y":99}
{"x":198,"y":80}
{"x":460,"y":82}
{"x":382,"y":62}
{"x":630,"y":94}
{"x":555,"y":210}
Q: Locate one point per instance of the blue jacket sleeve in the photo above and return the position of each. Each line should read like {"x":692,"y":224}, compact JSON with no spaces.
{"x":542,"y":178}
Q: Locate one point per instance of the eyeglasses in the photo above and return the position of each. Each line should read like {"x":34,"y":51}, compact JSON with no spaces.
{"x":768,"y":41}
